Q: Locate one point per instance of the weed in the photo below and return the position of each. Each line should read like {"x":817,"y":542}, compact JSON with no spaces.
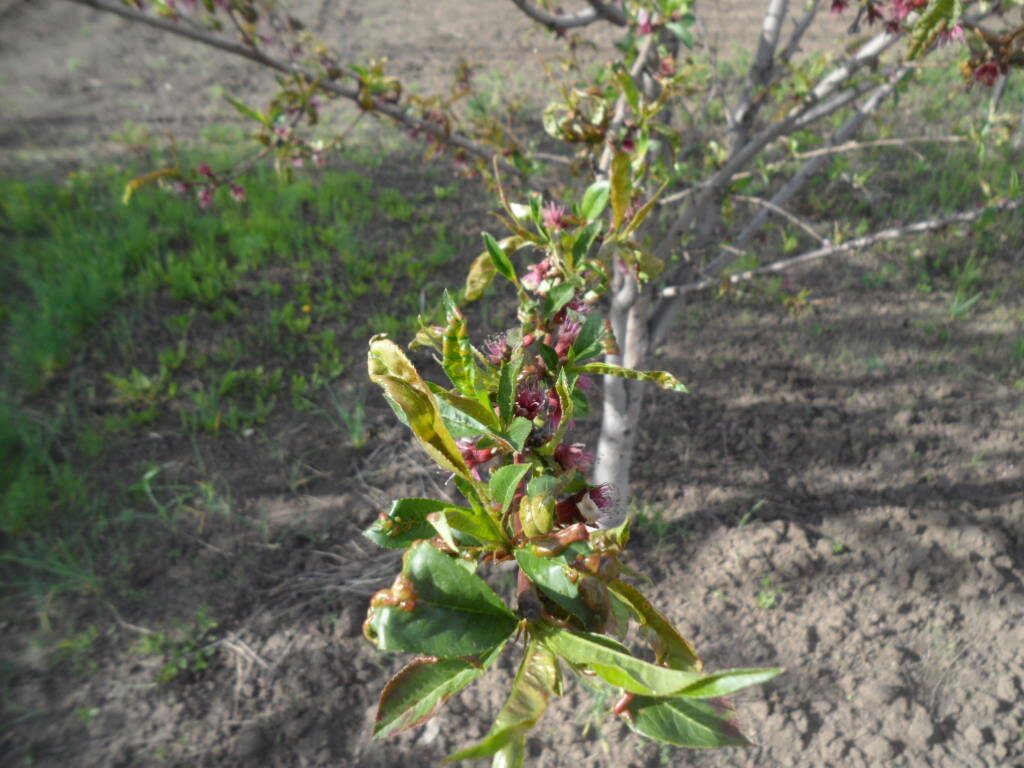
{"x":649,"y":519}
{"x":187,"y":650}
{"x":750,"y":513}
{"x":349,"y":413}
{"x":768,"y":597}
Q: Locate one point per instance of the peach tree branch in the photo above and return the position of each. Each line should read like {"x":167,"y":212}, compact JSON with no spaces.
{"x":892,"y":233}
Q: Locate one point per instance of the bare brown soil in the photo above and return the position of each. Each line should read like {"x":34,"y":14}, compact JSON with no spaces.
{"x":840,"y":495}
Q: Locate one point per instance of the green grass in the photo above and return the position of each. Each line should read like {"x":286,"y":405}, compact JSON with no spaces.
{"x":117,"y":320}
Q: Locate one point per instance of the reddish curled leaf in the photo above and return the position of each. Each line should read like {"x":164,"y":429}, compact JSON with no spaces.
{"x":437,"y":607}
{"x":415,"y":694}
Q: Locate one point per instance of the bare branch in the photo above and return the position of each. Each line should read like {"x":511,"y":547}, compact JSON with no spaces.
{"x":893,"y":233}
{"x":608,"y":12}
{"x":799,"y":30}
{"x":393,"y":111}
{"x":761,"y":70}
{"x":792,"y":218}
{"x":809,"y":170}
{"x":559,"y":22}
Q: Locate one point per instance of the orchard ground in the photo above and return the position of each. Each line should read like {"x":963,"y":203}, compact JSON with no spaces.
{"x":840,"y":495}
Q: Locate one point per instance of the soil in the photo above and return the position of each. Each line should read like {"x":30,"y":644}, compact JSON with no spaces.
{"x":840,"y":495}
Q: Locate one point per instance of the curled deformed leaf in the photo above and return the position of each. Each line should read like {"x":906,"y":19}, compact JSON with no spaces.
{"x":537,"y":680}
{"x":481,"y":275}
{"x":622,"y":186}
{"x":406,"y":522}
{"x":438,"y":608}
{"x":670,"y":647}
{"x":458,"y":359}
{"x":410,"y":396}
{"x":663,"y":379}
{"x":415,"y":694}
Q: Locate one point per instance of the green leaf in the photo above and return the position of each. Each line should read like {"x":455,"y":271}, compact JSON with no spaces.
{"x":246,"y":111}
{"x":728,"y":682}
{"x":505,"y":482}
{"x":536,"y":681}
{"x":518,"y":431}
{"x":628,"y":87}
{"x":458,"y":360}
{"x":549,"y":356}
{"x":542,"y":484}
{"x":481,"y":275}
{"x":414,"y":695}
{"x":537,"y":514}
{"x":589,"y":342}
{"x":444,"y":530}
{"x":410,"y":395}
{"x":622,"y":186}
{"x":614,"y":663}
{"x":645,"y":210}
{"x":595,"y":199}
{"x":687,"y":723}
{"x":453,"y":613}
{"x":558,"y":297}
{"x":480,"y":526}
{"x":502,"y":263}
{"x":564,"y":391}
{"x":406,"y":523}
{"x":682,"y":32}
{"x":551,"y":575}
{"x":938,"y":16}
{"x":670,"y":647}
{"x":512,"y":755}
{"x":507,"y":388}
{"x":464,"y":416}
{"x":663,"y":379}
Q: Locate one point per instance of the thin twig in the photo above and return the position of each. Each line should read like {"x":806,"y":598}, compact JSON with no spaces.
{"x":392,"y":111}
{"x":783,"y":213}
{"x":809,"y":170}
{"x":892,"y":233}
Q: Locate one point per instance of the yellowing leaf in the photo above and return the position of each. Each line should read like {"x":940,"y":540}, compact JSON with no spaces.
{"x":412,"y":399}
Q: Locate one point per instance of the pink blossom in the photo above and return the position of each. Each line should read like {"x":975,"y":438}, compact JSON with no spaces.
{"x":205,"y":170}
{"x":555,"y":217}
{"x":238,"y":192}
{"x":205,"y":196}
{"x":954,"y":35}
{"x":529,"y":399}
{"x":497,"y":350}
{"x":567,"y":337}
{"x":644,"y":23}
{"x":536,"y":274}
{"x":989,"y":72}
{"x":838,"y":6}
{"x":573,"y":457}
{"x":554,"y":408}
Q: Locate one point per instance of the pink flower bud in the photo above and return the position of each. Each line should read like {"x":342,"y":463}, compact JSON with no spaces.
{"x":205,"y":196}
{"x":238,"y":192}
